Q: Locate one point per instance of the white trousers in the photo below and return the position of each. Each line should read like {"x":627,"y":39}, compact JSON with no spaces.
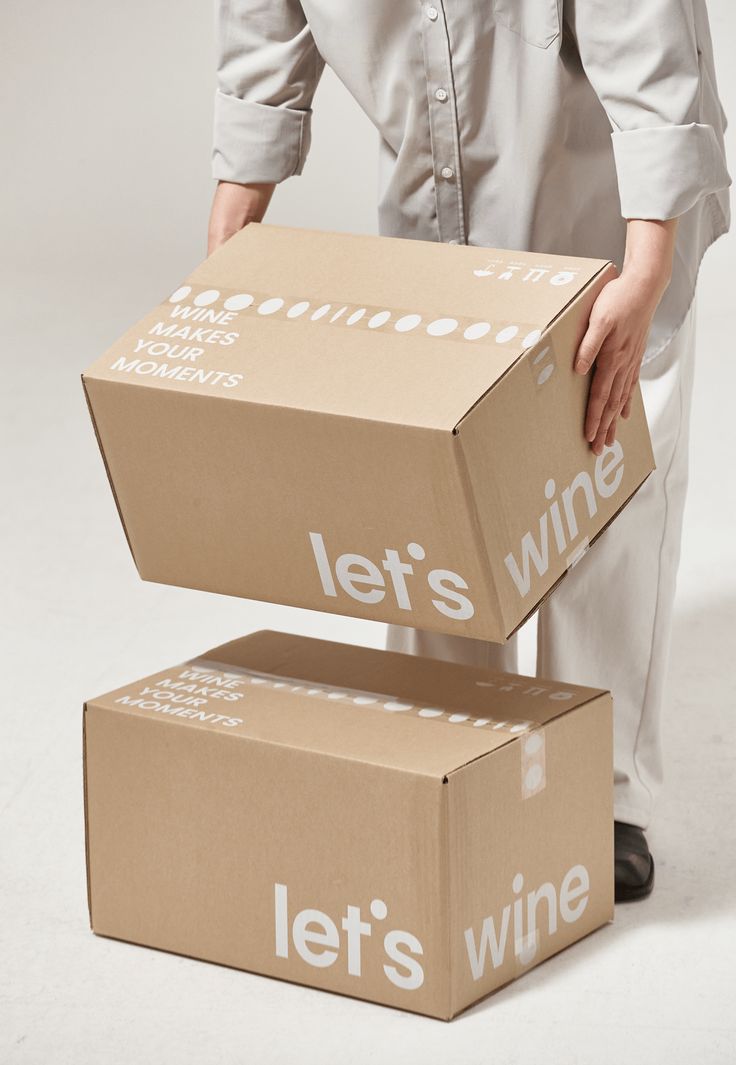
{"x":609,"y":621}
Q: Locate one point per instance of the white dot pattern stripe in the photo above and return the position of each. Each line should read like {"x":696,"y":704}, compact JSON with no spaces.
{"x":400,"y":321}
{"x":407,"y":322}
{"x":238,"y":302}
{"x":533,"y":743}
{"x":477,"y":330}
{"x":440,"y":327}
{"x":533,"y":763}
{"x":533,"y":738}
{"x":545,"y":374}
{"x":270,"y":306}
{"x":533,"y":778}
{"x":507,"y":334}
{"x":205,"y":298}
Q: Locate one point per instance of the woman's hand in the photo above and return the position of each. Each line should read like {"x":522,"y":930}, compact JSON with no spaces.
{"x":619,"y":327}
{"x":233,"y":207}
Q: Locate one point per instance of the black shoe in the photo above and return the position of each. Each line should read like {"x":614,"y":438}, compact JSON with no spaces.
{"x":633,"y":863}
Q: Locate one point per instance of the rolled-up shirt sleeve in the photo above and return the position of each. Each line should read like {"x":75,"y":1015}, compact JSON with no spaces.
{"x":268,"y":68}
{"x":644,"y":61}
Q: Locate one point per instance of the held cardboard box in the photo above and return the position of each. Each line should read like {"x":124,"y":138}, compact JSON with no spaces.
{"x":413,"y":832}
{"x":384,"y":428}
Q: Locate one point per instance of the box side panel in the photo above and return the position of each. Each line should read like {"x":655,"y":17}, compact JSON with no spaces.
{"x":107,"y":468}
{"x":493,"y":621}
{"x":258,"y":857}
{"x":551,"y":496}
{"x":293,"y":507}
{"x":86,"y":815}
{"x":531,"y":850}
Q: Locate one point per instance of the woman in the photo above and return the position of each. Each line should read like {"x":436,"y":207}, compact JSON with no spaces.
{"x":569,"y":126}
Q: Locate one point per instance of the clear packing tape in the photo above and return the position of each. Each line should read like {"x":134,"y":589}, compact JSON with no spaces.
{"x":531,"y":734}
{"x":209,"y":305}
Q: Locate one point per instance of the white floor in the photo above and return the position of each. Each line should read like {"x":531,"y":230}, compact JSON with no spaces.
{"x":654,"y":987}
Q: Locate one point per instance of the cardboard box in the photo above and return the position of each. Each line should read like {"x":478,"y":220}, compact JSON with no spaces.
{"x":403,"y":830}
{"x":383,"y":428}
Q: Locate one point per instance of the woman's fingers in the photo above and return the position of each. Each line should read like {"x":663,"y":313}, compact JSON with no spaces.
{"x":591,"y":344}
{"x":610,"y":411}
{"x":599,"y":398}
{"x":626,"y":409}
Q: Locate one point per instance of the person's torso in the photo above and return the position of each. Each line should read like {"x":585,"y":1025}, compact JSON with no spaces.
{"x":490,"y":132}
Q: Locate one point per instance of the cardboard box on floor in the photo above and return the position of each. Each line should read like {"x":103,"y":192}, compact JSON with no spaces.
{"x":377,"y":427}
{"x":409,"y":831}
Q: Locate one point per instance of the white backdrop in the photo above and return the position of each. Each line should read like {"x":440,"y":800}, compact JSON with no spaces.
{"x":106,"y":121}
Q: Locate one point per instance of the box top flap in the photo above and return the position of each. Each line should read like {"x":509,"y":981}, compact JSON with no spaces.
{"x":379,"y":707}
{"x":382,"y":328}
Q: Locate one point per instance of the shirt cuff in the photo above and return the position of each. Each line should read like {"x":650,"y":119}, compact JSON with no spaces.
{"x":664,"y":170}
{"x":258,"y":142}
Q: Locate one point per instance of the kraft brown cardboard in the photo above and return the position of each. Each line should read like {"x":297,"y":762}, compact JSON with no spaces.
{"x":378,"y":427}
{"x":404,"y":830}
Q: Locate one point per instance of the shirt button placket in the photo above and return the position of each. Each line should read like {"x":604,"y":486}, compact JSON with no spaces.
{"x":443,"y":124}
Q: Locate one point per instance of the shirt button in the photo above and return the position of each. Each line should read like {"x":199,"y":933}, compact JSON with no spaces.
{"x":432,"y":14}
{"x":441,"y":95}
{"x":447,"y":172}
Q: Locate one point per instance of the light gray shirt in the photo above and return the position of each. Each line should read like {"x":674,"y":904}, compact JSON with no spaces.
{"x":537,"y":125}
